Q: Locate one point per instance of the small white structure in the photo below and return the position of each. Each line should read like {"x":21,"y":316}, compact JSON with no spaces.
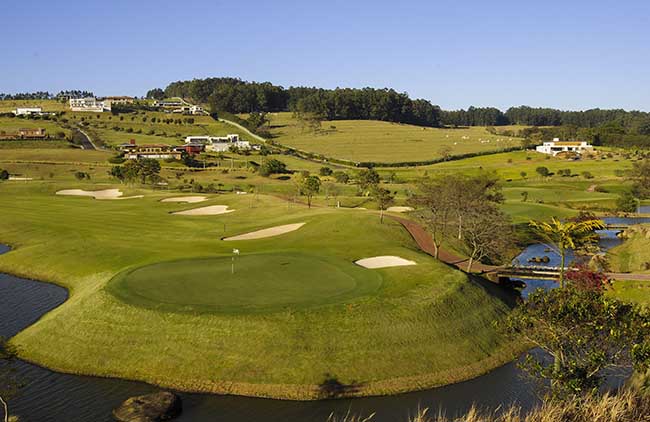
{"x":89,"y":104}
{"x":28,"y":111}
{"x":556,"y":146}
{"x":219,"y":143}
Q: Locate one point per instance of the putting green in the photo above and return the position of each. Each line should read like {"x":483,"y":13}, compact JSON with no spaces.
{"x":261,"y":283}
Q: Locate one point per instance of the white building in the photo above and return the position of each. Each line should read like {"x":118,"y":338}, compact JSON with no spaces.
{"x":219,"y":143}
{"x":556,"y":146}
{"x":89,"y":104}
{"x":28,"y":111}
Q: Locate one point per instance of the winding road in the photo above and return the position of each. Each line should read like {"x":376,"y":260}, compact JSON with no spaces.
{"x":84,"y":139}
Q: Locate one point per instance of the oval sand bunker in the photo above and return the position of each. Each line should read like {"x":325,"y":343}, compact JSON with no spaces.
{"x":210,"y":210}
{"x":384,"y":262}
{"x":270,"y":232}
{"x":399,"y":209}
{"x":186,"y":199}
{"x":97,"y":194}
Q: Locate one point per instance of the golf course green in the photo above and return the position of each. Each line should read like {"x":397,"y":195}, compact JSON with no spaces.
{"x":260,"y":282}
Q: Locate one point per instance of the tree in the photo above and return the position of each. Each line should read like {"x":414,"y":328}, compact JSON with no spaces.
{"x":640,"y":175}
{"x":4,"y":174}
{"x":542,"y":171}
{"x":325,"y":171}
{"x":156,"y":94}
{"x":564,"y":236}
{"x":368,"y":178}
{"x":585,"y":332}
{"x":627,"y":202}
{"x":309,"y":186}
{"x":384,"y":199}
{"x":524,"y":196}
{"x":487,"y":233}
{"x":434,"y":206}
{"x":523,"y":174}
{"x":341,"y":177}
{"x":445,"y":152}
{"x":272,"y":166}
{"x":117,"y":172}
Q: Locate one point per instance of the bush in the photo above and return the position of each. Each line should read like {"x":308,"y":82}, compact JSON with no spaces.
{"x":272,"y":166}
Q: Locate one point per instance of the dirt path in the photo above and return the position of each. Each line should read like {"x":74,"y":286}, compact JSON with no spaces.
{"x":425,"y":242}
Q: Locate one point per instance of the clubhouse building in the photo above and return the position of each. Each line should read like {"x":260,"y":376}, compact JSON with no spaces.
{"x":219,"y":143}
{"x":556,"y":147}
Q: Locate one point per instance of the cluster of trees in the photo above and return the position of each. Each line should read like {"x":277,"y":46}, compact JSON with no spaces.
{"x":367,"y":104}
{"x":465,"y":208}
{"x":474,"y":116}
{"x":143,"y":171}
{"x":530,"y":116}
{"x":45,"y":95}
{"x":236,"y":96}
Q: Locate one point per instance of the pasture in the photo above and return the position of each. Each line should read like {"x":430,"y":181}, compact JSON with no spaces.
{"x":384,"y":142}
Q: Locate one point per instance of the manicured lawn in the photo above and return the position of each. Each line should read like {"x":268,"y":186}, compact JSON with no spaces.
{"x":375,"y":141}
{"x":264,"y":282}
{"x":279,"y":331}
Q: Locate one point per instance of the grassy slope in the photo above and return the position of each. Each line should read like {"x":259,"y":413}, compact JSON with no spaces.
{"x":369,"y":140}
{"x":428,"y":325}
{"x":7,"y":106}
{"x":100,"y":125}
{"x":12,"y":124}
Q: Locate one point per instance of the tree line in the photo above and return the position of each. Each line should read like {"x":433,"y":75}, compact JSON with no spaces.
{"x":45,"y":95}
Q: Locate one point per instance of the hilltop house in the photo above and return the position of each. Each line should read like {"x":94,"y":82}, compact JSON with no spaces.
{"x":117,"y":100}
{"x":89,"y":104}
{"x":219,"y":143}
{"x":556,"y":147}
{"x":157,"y":151}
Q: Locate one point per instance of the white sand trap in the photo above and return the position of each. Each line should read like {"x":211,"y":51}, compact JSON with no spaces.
{"x":186,"y":199}
{"x":211,"y":210}
{"x":270,"y":232}
{"x":20,"y":178}
{"x":399,"y":209}
{"x":97,"y":194}
{"x":384,"y":262}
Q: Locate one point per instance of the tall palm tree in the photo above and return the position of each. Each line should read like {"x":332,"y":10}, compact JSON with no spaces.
{"x":563,"y":236}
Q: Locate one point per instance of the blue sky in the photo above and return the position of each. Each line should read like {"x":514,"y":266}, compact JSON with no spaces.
{"x":565,"y":54}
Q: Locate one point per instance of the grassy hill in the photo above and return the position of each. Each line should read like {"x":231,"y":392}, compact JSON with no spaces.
{"x":384,"y":142}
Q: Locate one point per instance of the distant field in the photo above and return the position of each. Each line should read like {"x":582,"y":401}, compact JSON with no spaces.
{"x":375,"y":141}
{"x":7,"y":106}
{"x":13,"y":124}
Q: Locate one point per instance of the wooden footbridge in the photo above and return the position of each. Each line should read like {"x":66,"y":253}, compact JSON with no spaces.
{"x":532,"y":272}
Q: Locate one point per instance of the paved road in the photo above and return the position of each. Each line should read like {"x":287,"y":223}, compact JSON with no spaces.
{"x":83,"y":138}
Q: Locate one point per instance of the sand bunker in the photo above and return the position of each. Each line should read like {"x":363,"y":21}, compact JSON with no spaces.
{"x":211,"y":210}
{"x":399,"y":209}
{"x":384,"y":262}
{"x":270,"y":232}
{"x":97,"y":194}
{"x":186,"y":199}
{"x":20,"y":178}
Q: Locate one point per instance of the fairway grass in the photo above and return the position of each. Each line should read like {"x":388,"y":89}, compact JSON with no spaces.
{"x":281,"y":334}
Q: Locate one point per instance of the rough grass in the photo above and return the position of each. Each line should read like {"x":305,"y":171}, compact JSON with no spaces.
{"x":376,"y":141}
{"x":628,"y":405}
{"x":428,"y":325}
